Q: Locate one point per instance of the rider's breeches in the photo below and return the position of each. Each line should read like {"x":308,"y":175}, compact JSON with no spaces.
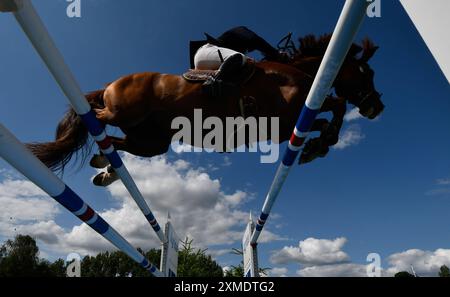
{"x":210,"y":57}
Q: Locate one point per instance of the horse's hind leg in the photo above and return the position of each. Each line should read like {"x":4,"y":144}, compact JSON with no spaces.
{"x":137,"y":142}
{"x":100,"y":161}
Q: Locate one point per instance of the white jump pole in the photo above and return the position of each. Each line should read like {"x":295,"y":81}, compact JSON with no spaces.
{"x":16,"y":154}
{"x":34,"y":28}
{"x":346,"y":29}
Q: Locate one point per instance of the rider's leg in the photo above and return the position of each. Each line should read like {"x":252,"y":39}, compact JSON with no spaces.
{"x":211,"y":57}
{"x":231,"y":67}
{"x":229,"y":64}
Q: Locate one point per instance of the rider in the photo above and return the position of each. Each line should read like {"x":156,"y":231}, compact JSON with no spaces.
{"x":227,"y":55}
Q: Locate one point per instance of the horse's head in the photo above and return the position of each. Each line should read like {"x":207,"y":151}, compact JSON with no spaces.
{"x":355,"y":81}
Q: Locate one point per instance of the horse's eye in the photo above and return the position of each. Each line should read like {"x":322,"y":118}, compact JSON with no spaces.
{"x":361,"y":69}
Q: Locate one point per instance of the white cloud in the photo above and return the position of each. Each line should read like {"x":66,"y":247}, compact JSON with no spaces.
{"x":278,"y":272}
{"x":325,"y":258}
{"x":181,"y":148}
{"x":443,"y":181}
{"x":437,"y":192}
{"x":218,"y":253}
{"x":22,"y":205}
{"x":198,"y":206}
{"x":312,"y":251}
{"x":336,"y":270}
{"x":441,"y":188}
{"x":353,"y":115}
{"x":21,"y":201}
{"x":425,"y":263}
{"x":226,"y":161}
{"x":268,"y":236}
{"x":351,"y":136}
{"x":320,"y":258}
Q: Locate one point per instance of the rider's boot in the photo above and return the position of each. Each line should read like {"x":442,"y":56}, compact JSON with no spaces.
{"x":226,"y":81}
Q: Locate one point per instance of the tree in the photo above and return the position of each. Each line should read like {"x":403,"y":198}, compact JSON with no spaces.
{"x":191,"y":262}
{"x":116,"y":264}
{"x":19,"y":258}
{"x":58,"y":268}
{"x":444,"y":271}
{"x":403,"y":274}
{"x":195,"y":263}
{"x":235,"y":271}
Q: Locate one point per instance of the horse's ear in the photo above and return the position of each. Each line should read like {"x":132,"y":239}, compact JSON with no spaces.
{"x":368,"y":54}
{"x":369,"y":50}
{"x":354,"y":50}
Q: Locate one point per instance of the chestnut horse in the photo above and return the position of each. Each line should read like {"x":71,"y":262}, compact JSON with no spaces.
{"x":143,"y":106}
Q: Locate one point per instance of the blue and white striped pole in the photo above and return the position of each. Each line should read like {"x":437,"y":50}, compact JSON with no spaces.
{"x":34,"y":28}
{"x":347,"y":26}
{"x":16,"y":154}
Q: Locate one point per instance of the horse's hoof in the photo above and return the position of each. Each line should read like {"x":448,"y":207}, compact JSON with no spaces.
{"x":104,"y":179}
{"x":331,"y":135}
{"x":306,"y":158}
{"x":99,"y":161}
{"x":314,"y":148}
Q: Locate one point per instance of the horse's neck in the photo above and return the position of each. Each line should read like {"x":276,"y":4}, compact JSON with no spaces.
{"x":309,"y":65}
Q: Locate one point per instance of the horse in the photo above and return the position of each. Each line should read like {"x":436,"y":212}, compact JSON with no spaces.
{"x":143,"y":106}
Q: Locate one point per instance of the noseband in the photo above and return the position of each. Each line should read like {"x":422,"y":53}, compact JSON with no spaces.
{"x":366,"y":97}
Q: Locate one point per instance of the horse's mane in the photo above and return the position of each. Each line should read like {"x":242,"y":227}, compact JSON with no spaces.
{"x":312,"y":46}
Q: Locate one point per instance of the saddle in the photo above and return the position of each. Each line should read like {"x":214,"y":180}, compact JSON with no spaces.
{"x":247,"y":104}
{"x":201,"y":76}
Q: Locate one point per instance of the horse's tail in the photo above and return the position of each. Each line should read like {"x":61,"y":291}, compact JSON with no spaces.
{"x":71,"y":137}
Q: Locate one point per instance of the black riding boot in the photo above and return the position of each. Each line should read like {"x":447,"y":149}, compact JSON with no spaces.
{"x":225,"y":83}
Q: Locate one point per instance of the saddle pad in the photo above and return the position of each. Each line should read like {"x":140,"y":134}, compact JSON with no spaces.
{"x":194,"y":75}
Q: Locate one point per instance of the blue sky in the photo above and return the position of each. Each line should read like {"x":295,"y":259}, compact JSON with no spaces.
{"x":388,"y":191}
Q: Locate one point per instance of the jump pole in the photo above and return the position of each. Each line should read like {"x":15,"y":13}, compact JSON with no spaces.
{"x":38,"y":35}
{"x":346,"y":29}
{"x":16,"y":154}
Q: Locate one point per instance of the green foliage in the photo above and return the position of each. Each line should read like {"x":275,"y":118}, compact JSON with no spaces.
{"x":58,"y":268}
{"x":195,"y":263}
{"x":444,"y":271}
{"x":116,"y":264}
{"x":238,"y":271}
{"x":235,"y":271}
{"x":403,"y":274}
{"x":20,"y":257}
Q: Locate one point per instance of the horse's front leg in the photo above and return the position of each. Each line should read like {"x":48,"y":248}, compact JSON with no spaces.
{"x":338,"y":107}
{"x":329,"y":136}
{"x":316,"y":147}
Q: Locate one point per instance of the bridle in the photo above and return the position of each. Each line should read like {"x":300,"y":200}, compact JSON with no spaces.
{"x":286,"y":45}
{"x":367,"y":96}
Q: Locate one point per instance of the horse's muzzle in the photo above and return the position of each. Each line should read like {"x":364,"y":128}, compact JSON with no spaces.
{"x":371,"y":105}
